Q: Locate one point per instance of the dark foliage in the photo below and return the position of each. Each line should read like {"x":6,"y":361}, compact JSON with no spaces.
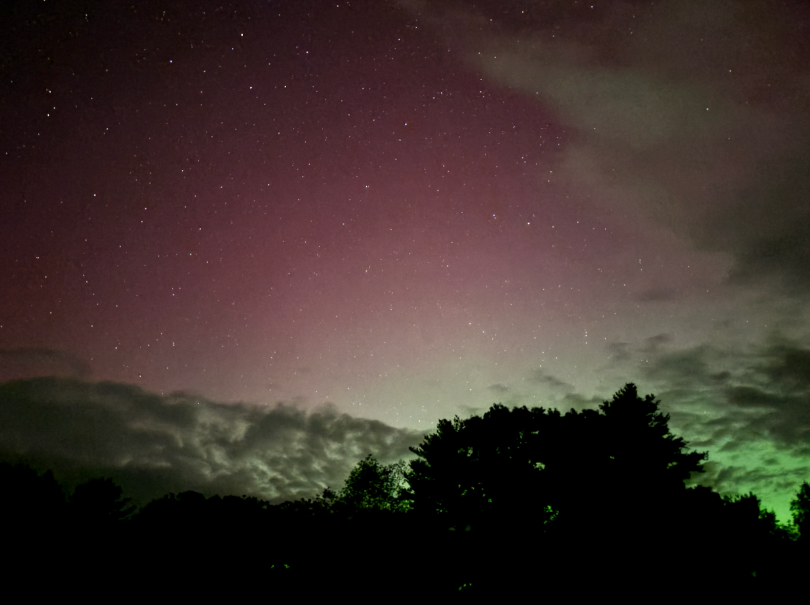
{"x":370,"y":486}
{"x":100,"y":502}
{"x":800,"y":507}
{"x":31,"y":504}
{"x":520,"y":503}
{"x":539,"y":465}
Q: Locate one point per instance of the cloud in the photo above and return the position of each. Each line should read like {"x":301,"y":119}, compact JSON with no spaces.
{"x":618,"y":352}
{"x":767,"y":229}
{"x":654,"y":344}
{"x":499,"y":388}
{"x":31,"y":362}
{"x":469,"y":410}
{"x":541,"y":377}
{"x":577,"y":401}
{"x":688,"y":114}
{"x":154,"y":445}
{"x":685,"y":369}
{"x":746,"y":402}
{"x":761,"y":392}
{"x":727,"y":479}
{"x":747,"y":405}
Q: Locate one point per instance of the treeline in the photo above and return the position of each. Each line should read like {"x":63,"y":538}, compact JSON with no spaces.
{"x":514,"y":503}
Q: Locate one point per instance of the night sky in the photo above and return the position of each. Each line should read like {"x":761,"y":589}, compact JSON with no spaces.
{"x":385,"y":213}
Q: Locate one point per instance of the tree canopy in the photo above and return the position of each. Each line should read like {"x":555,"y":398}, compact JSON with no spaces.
{"x":515,"y":493}
{"x":541,"y":465}
{"x":100,"y":500}
{"x":371,"y":486}
{"x":800,"y":508}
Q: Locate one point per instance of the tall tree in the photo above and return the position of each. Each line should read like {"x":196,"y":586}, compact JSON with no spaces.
{"x":371,"y":486}
{"x":639,"y":441}
{"x":800,"y":508}
{"x":100,"y":501}
{"x":30,"y":501}
{"x":590,"y":463}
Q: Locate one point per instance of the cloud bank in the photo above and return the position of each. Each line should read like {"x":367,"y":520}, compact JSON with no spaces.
{"x":689,"y":115}
{"x":749,"y":406}
{"x":152,"y":445}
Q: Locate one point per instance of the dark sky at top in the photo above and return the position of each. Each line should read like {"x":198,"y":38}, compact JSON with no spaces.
{"x":403,"y":211}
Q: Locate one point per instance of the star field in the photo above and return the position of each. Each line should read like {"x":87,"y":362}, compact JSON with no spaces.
{"x":413,"y":210}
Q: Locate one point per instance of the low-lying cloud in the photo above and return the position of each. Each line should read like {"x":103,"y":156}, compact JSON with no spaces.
{"x":746,"y":405}
{"x":152,"y":445}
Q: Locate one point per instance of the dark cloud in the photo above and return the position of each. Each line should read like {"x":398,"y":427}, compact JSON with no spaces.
{"x":470,"y":410}
{"x":685,"y":369}
{"x":578,"y":402}
{"x":727,"y":479}
{"x":788,"y":365}
{"x":619,"y":351}
{"x":687,"y":113}
{"x":153,"y":445}
{"x":499,"y":388}
{"x":654,"y":344}
{"x":768,"y":228}
{"x":744,"y":404}
{"x":541,"y":377}
{"x":31,"y":362}
{"x":759,"y":393}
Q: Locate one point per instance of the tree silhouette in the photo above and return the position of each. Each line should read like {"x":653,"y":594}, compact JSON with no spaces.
{"x":639,"y":440}
{"x":492,"y":506}
{"x":100,"y":501}
{"x":30,"y":503}
{"x":482,"y":470}
{"x":535,"y":465}
{"x":185,"y":511}
{"x":370,"y":486}
{"x":635,"y":463}
{"x":800,"y":509}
